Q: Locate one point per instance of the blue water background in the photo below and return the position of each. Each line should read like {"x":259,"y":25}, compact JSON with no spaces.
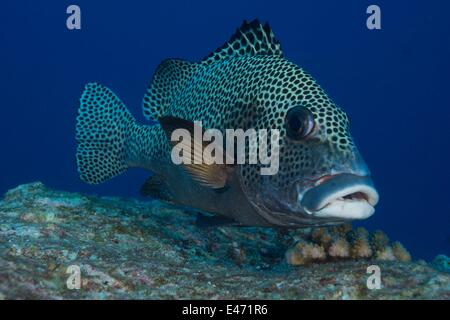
{"x":393,"y":83}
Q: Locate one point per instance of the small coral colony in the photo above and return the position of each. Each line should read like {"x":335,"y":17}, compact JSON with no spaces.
{"x":342,"y":242}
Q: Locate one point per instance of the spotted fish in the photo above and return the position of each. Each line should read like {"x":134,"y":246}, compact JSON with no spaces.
{"x":246,"y":83}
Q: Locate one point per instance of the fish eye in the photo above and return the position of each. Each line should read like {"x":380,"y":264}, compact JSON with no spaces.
{"x":299,"y":123}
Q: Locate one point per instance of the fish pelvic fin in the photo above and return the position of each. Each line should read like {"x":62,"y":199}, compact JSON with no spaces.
{"x":169,"y":79}
{"x":207,"y":222}
{"x":104,"y":127}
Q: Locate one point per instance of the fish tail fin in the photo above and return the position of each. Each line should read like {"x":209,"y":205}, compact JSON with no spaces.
{"x":104,"y":128}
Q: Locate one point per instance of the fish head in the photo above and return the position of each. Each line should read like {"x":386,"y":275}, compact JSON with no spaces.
{"x":322,"y":178}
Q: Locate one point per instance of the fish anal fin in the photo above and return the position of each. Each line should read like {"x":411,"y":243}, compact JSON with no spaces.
{"x":155,"y":188}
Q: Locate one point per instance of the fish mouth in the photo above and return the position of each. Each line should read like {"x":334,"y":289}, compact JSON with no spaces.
{"x":342,"y":196}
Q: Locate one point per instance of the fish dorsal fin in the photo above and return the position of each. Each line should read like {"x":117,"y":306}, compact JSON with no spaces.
{"x":252,"y":38}
{"x":169,"y":79}
{"x":206,"y":172}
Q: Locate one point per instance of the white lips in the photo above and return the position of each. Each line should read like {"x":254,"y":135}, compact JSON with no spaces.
{"x":358,"y":203}
{"x":346,"y":209}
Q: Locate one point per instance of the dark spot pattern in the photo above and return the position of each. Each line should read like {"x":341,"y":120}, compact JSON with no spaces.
{"x":169,"y":79}
{"x":109,"y":140}
{"x":247,"y":83}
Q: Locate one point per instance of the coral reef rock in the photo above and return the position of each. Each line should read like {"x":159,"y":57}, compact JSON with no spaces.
{"x":441,"y":263}
{"x":59,"y":245}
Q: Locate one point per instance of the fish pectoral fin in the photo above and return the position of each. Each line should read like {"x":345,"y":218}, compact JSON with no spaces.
{"x":206,"y":162}
{"x":211,"y":176}
{"x":155,"y":188}
{"x":205,"y":222}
